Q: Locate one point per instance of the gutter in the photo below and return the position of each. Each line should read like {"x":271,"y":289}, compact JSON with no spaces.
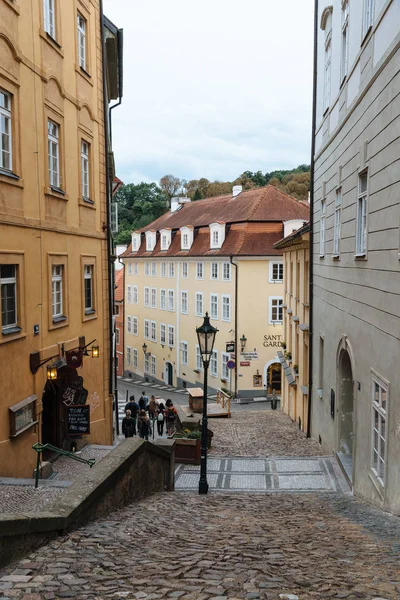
{"x":120,"y":39}
{"x":311,"y":258}
{"x":236,"y":320}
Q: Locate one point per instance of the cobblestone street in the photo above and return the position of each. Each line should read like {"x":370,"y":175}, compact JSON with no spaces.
{"x":260,"y":433}
{"x":238,"y":546}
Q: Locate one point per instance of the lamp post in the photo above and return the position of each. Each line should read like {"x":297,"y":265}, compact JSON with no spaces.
{"x":243,"y":341}
{"x":206,"y":336}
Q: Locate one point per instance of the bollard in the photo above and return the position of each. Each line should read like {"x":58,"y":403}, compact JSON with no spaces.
{"x":274,"y":400}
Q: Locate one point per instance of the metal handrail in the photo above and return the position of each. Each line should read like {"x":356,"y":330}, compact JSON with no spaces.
{"x":39,"y":448}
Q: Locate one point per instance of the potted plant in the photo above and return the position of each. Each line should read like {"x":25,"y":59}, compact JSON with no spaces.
{"x":288,"y":355}
{"x":187,"y":446}
{"x":283,"y":344}
{"x":296,"y":369}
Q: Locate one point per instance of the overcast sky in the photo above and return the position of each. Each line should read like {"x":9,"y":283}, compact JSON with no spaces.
{"x":212,"y":88}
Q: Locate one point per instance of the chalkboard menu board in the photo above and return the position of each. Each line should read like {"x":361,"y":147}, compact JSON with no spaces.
{"x":79,"y":419}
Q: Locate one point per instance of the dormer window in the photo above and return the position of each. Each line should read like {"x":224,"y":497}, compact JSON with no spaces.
{"x":135,"y":241}
{"x":186,"y":238}
{"x":165,"y":235}
{"x":217,"y":235}
{"x":150,"y":241}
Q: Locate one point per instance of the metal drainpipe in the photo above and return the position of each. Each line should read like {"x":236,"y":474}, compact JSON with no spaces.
{"x":108,"y":200}
{"x":311,"y":260}
{"x":236,"y":322}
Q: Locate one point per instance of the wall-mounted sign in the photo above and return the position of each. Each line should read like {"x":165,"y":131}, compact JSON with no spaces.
{"x":244,"y":363}
{"x":78,"y":419}
{"x":272,"y":340}
{"x":230,"y":346}
{"x":231,"y":364}
{"x":22,"y":416}
{"x":74,"y":358}
{"x":249,"y":356}
{"x":257,"y":380}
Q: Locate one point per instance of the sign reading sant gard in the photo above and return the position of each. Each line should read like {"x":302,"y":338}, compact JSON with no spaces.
{"x":272,"y":340}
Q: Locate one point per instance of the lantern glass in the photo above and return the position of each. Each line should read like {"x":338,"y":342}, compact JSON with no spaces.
{"x":95,"y":351}
{"x":243,"y":341}
{"x":206,"y":336}
{"x":144,"y":348}
{"x":51,"y":373}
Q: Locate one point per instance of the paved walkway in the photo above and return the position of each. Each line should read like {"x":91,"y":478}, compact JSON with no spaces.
{"x":260,"y":475}
{"x":190,"y":547}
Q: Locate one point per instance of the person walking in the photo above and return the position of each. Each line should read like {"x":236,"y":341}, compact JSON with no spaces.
{"x":160,"y":419}
{"x":134,"y":408}
{"x":128,"y":425}
{"x":143,"y":401}
{"x":152,"y":408}
{"x":170,"y":414}
{"x":144,"y":426}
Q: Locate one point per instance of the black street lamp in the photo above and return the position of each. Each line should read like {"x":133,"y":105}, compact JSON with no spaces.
{"x":206,"y":335}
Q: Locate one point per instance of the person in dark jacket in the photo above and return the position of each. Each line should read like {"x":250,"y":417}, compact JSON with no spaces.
{"x":134,"y":408}
{"x":160,"y":419}
{"x":144,"y":425}
{"x":128,"y":425}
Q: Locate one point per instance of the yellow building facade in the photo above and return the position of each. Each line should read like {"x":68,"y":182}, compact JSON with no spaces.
{"x":54,"y":227}
{"x":214,"y":255}
{"x":294,"y":356}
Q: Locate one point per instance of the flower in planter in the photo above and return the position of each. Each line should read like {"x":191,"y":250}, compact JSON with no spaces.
{"x":283,"y":344}
{"x":296,"y":368}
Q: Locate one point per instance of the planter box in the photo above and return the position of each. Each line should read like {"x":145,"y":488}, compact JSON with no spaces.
{"x":187,"y":451}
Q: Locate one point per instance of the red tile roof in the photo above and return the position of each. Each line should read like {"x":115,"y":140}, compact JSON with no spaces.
{"x":253,"y":224}
{"x":119,"y":285}
{"x":286,"y":241}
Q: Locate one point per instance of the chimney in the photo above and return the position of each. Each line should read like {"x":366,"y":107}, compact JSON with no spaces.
{"x":236,"y":190}
{"x":177,"y":202}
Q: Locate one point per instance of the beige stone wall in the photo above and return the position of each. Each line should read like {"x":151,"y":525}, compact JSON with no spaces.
{"x":39,"y":226}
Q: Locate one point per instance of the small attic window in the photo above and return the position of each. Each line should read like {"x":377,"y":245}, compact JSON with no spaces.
{"x":165,"y":235}
{"x":186,"y":238}
{"x":150,"y":240}
{"x":217,"y":235}
{"x":135,"y":242}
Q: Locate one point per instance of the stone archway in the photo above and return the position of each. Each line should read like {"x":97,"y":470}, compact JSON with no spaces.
{"x":346,"y":407}
{"x":169,"y":373}
{"x":272,"y":379}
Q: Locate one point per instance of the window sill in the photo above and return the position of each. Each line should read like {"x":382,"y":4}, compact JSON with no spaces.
{"x":24,"y":429}
{"x":276,"y":281}
{"x":51,"y":42}
{"x":56,"y":193}
{"x":360,"y":256}
{"x":377,"y":484}
{"x":11,"y":330}
{"x":87,"y":202}
{"x":59,"y":322}
{"x":336,"y":256}
{"x":12,"y":335}
{"x":321,"y":256}
{"x":90,"y":312}
{"x":10,"y":178}
{"x":365,"y":36}
{"x":84,"y":74}
{"x":13,"y":6}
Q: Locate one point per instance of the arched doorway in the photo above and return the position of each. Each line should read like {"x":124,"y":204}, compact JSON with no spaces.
{"x":169,"y":374}
{"x":273,"y":377}
{"x":346,"y":407}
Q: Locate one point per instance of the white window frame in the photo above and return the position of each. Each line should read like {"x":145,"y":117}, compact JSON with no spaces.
{"x":129,"y":295}
{"x":214,"y":304}
{"x":217,"y":235}
{"x":49,"y":24}
{"x":163,"y":334}
{"x":154,"y":269}
{"x":135,"y":268}
{"x":117,"y":336}
{"x":150,"y":241}
{"x":280,"y":267}
{"x":379,"y":432}
{"x":225,"y":372}
{"x":88,"y":276}
{"x":171,"y":270}
{"x":368,"y":15}
{"x":153,"y":298}
{"x":7,"y":281}
{"x":53,"y":149}
{"x":185,"y":241}
{"x":171,"y":300}
{"x":214,"y":271}
{"x":214,"y":363}
{"x":171,"y":336}
{"x":128,"y":323}
{"x":165,"y":239}
{"x":224,"y":304}
{"x":147,"y":296}
{"x":163,"y":272}
{"x":186,"y":238}
{"x":82,"y":27}
{"x":135,"y":294}
{"x":135,"y":326}
{"x":147,"y":269}
{"x":153,"y":366}
{"x":337,"y":224}
{"x":278,"y":307}
{"x":184,"y":302}
{"x":147,"y":363}
{"x":185,"y":353}
{"x":146,"y":332}
{"x":327,"y":72}
{"x":135,"y":356}
{"x":153,"y":331}
{"x":344,"y":50}
{"x":136,"y":239}
{"x":199,"y":359}
{"x":163,"y":299}
{"x":6,"y":131}
{"x":129,"y":268}
{"x":185,"y":270}
{"x":361,"y":217}
{"x":199,"y":303}
{"x":200,"y":270}
{"x":57,"y":285}
{"x":128,"y":355}
{"x":225,"y":266}
{"x":322,"y":228}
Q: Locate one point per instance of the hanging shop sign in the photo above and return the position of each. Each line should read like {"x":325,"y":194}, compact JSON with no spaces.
{"x":230,"y":347}
{"x":78,"y":418}
{"x":272,"y":340}
{"x":74,"y":358}
{"x":257,"y":380}
{"x":249,"y":356}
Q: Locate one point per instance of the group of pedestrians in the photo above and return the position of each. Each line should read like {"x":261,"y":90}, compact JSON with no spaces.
{"x":141,"y":417}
